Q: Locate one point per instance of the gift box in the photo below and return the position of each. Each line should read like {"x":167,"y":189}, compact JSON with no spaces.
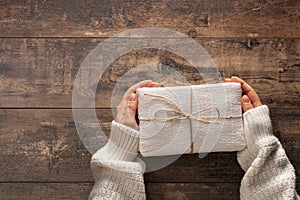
{"x":190,"y":119}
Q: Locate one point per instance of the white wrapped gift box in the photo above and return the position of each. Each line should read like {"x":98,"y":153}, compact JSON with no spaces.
{"x":190,"y":119}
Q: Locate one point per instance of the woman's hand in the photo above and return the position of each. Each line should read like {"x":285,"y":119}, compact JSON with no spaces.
{"x":250,"y":99}
{"x":126,"y":110}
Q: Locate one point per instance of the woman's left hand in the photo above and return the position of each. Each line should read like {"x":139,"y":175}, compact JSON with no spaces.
{"x":126,"y":110}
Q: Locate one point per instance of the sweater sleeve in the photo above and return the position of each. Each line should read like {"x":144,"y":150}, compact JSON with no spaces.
{"x":269,"y":173}
{"x":117,"y":170}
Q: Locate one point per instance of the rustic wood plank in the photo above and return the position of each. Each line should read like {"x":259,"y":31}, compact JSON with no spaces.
{"x":41,"y":72}
{"x":42,"y":145}
{"x":43,"y":142}
{"x":172,"y":191}
{"x":51,"y":191}
{"x":197,"y":18}
{"x":193,"y":191}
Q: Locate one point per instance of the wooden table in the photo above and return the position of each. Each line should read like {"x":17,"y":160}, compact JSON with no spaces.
{"x":43,"y":44}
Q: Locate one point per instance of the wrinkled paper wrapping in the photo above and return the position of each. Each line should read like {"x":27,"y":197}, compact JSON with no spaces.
{"x":208,"y":119}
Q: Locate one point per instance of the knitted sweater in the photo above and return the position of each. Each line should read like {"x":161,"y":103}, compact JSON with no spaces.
{"x":118,"y":172}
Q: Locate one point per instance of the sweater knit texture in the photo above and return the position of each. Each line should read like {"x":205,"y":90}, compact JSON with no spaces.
{"x":118,"y":172}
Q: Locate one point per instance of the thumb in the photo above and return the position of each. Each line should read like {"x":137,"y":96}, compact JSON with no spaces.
{"x":246,"y":103}
{"x":132,"y":105}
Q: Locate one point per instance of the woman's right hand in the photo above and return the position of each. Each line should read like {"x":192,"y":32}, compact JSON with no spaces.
{"x":257,"y":123}
{"x":250,"y":99}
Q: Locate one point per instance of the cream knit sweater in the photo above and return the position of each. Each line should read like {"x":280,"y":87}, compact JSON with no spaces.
{"x":118,"y":172}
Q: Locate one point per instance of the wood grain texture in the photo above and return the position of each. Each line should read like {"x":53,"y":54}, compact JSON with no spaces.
{"x":42,"y":145}
{"x":193,"y":191}
{"x":41,"y":72}
{"x":197,"y":18}
{"x":49,"y":191}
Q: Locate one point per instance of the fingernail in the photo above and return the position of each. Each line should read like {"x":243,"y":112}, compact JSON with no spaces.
{"x":155,"y":83}
{"x":227,"y":79}
{"x":246,"y":99}
{"x":132,"y":97}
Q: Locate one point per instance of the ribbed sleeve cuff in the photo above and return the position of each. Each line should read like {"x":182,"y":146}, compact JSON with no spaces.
{"x":258,"y":134}
{"x":257,"y":124}
{"x":122,"y":144}
{"x":124,"y":137}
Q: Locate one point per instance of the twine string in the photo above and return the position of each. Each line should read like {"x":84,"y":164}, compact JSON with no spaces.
{"x":190,"y":121}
